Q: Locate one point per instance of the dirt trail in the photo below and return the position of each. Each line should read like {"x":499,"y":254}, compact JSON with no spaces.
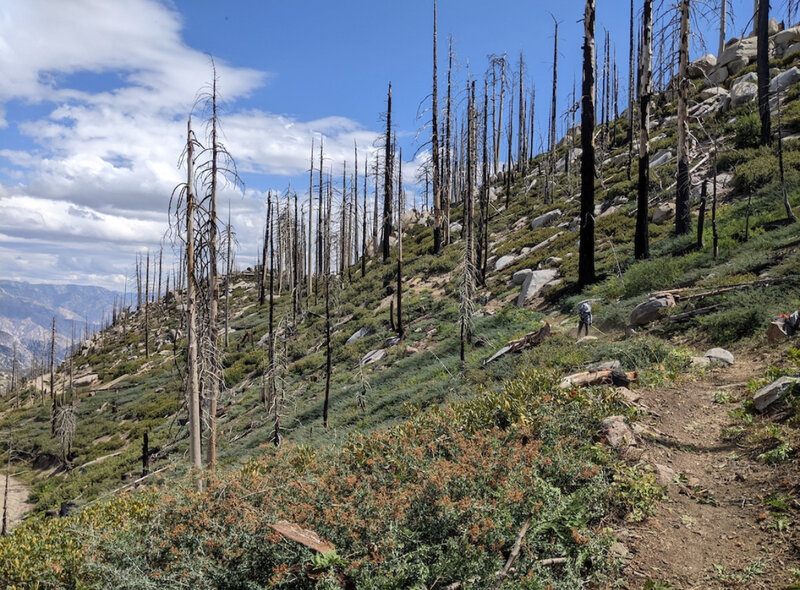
{"x":17,"y":500}
{"x":714,"y":531}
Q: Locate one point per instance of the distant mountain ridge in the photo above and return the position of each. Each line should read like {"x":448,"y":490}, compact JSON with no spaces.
{"x":27,"y":310}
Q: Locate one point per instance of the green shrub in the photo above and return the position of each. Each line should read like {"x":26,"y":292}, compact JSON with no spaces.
{"x":747,"y":132}
{"x":650,"y":275}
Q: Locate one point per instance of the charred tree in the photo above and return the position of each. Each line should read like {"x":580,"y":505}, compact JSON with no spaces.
{"x":762,"y":71}
{"x":642,"y":236}
{"x":586,"y":274}
{"x":682,"y":213}
{"x":437,"y":193}
{"x":388,"y":178}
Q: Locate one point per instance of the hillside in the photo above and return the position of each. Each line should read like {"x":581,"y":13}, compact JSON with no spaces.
{"x":438,"y":473}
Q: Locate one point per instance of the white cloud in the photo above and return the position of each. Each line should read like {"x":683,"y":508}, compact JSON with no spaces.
{"x":96,"y":188}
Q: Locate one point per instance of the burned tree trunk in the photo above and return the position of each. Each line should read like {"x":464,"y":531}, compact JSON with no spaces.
{"x":437,"y":194}
{"x":762,"y":70}
{"x":387,"y":179}
{"x":586,"y":273}
{"x":641,"y":243}
{"x":192,"y":379}
{"x":401,"y":331}
{"x":682,"y":213}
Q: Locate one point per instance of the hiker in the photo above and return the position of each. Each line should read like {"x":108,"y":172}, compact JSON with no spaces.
{"x":584,"y":317}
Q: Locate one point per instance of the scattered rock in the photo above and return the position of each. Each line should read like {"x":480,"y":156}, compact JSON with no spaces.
{"x":504,"y":261}
{"x":373,"y":356}
{"x":546,"y":219}
{"x":519,"y":277}
{"x":553,"y":261}
{"x":84,"y":380}
{"x":718,"y":76}
{"x":701,"y":67}
{"x":719,"y":355}
{"x":700,"y":362}
{"x":661,"y":158}
{"x":612,"y":364}
{"x":611,"y":210}
{"x":784,"y":80}
{"x":744,"y":90}
{"x":392,"y":341}
{"x":786,"y":38}
{"x":618,"y":434}
{"x":665,"y":476}
{"x":771,"y":393}
{"x":650,"y":310}
{"x":410,"y":350}
{"x":455,"y":228}
{"x":534,"y":283}
{"x":358,"y":335}
{"x":629,"y":395}
{"x":619,"y":551}
{"x":742,"y":50}
{"x":663,"y":213}
{"x":792,"y":50}
{"x":714,"y":92}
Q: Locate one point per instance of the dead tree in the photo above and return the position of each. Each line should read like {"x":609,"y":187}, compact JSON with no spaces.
{"x":185,"y":193}
{"x":682,"y":213}
{"x":328,"y":360}
{"x":701,"y":214}
{"x":631,"y":61}
{"x":53,"y":377}
{"x":364,"y":225}
{"x":468,"y":285}
{"x":217,"y":167}
{"x":147,"y":308}
{"x":271,"y":327}
{"x":551,"y":132}
{"x":521,"y":138}
{"x":642,"y":237}
{"x":228,"y":270}
{"x":387,"y":178}
{"x":437,"y":194}
{"x":762,"y":70}
{"x":447,"y":165}
{"x":786,"y":205}
{"x":401,"y":331}
{"x":722,"y":24}
{"x":586,"y":273}
{"x":310,"y":286}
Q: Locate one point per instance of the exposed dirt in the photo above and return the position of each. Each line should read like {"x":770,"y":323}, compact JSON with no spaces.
{"x":18,"y":505}
{"x":714,"y":531}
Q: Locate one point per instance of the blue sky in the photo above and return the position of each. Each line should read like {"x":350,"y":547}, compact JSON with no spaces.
{"x":94,"y":96}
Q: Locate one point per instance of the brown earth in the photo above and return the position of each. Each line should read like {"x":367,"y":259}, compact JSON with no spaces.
{"x":714,"y":530}
{"x":18,"y":505}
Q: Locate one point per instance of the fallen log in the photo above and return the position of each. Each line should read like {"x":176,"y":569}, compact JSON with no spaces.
{"x":528,"y":341}
{"x":688,"y":314}
{"x":599,"y":377}
{"x":681,"y":295}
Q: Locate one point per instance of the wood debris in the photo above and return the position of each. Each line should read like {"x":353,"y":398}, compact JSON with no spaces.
{"x":528,"y":341}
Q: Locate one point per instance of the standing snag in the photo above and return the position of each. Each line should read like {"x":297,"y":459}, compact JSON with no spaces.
{"x":586,"y":250}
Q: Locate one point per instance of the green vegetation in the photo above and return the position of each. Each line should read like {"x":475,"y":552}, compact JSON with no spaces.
{"x":431,"y":467}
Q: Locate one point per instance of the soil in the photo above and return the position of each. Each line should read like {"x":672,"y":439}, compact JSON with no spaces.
{"x":18,"y":506}
{"x":714,"y":530}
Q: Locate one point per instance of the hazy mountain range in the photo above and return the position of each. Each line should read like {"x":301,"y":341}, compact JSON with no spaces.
{"x":27,"y":311}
